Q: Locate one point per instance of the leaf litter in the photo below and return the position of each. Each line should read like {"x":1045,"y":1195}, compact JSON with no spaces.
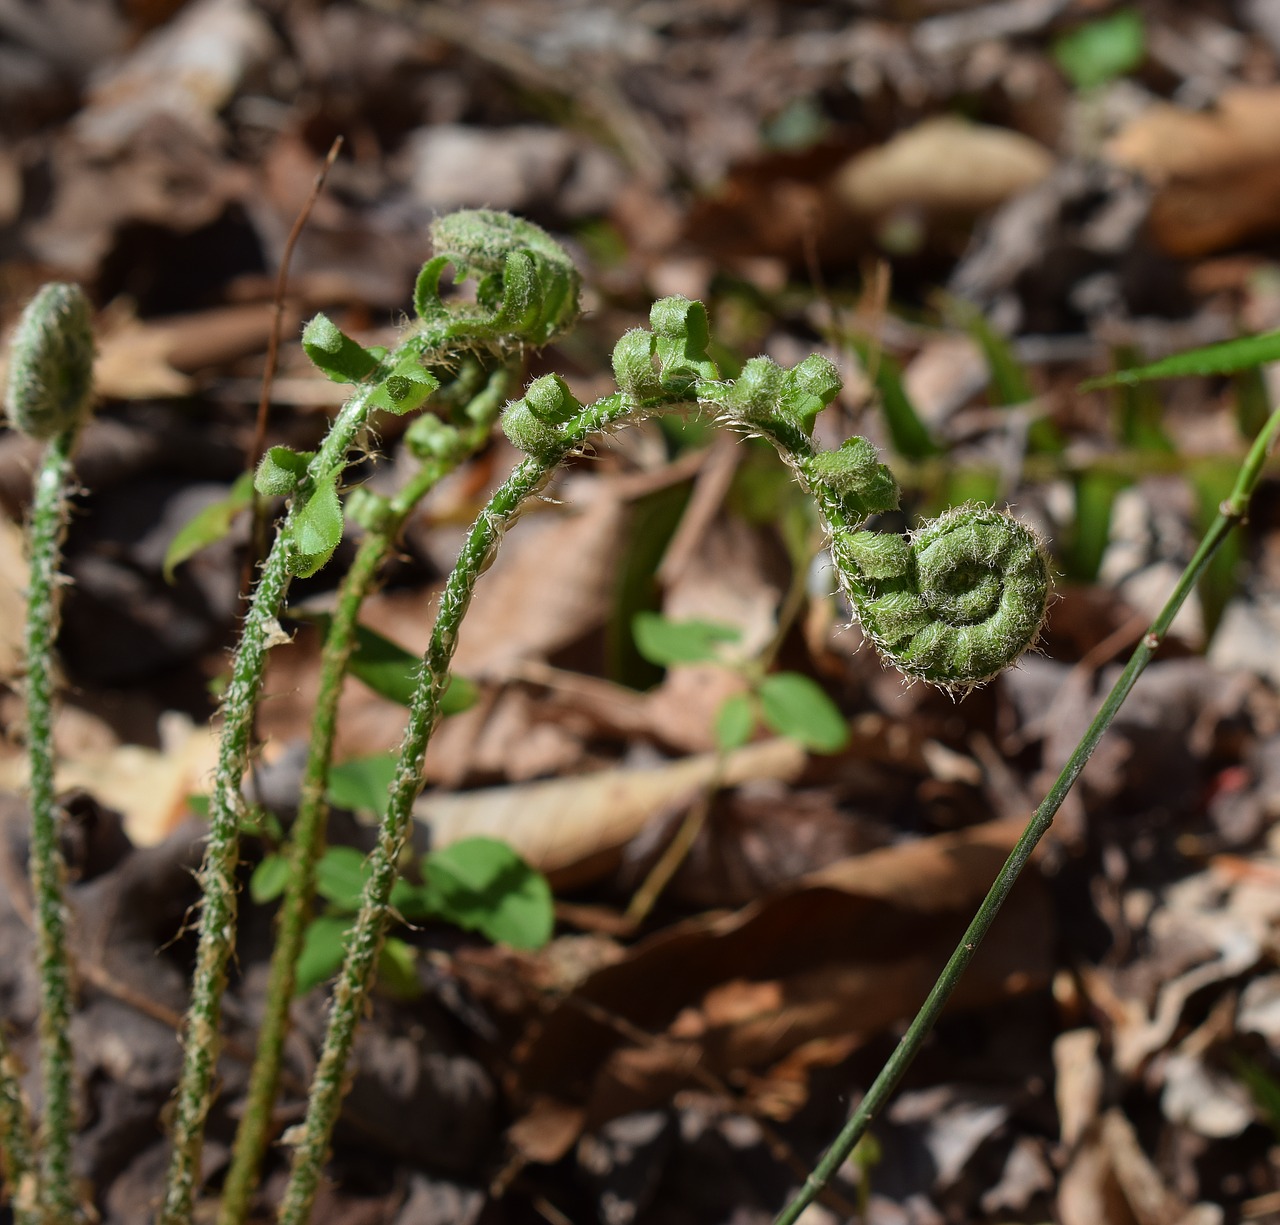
{"x":1115,"y":1053}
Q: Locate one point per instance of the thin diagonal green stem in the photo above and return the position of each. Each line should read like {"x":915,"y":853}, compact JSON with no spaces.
{"x":1231,"y":513}
{"x":48,"y":523}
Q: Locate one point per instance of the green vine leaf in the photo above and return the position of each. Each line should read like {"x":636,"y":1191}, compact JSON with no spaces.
{"x":361,"y":784}
{"x":209,"y":525}
{"x":798,"y":707}
{"x":734,"y":723}
{"x":269,"y":879}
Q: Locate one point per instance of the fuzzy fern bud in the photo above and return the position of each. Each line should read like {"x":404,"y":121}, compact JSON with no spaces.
{"x":51,"y":363}
{"x":856,"y":476}
{"x":527,"y":287}
{"x":811,"y":386}
{"x":633,"y":366}
{"x":757,"y":392}
{"x":681,"y":339}
{"x":531,"y":423}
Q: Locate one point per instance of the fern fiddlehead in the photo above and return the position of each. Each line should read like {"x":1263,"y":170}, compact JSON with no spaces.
{"x":951,"y":569}
{"x":49,"y":393}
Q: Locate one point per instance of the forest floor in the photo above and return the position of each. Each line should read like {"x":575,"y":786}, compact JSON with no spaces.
{"x":970,"y":209}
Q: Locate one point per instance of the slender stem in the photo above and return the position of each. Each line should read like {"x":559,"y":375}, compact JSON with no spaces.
{"x":1231,"y":513}
{"x":17,"y":1143}
{"x":48,"y":523}
{"x":365,"y":939}
{"x":217,"y":873}
{"x":306,"y":841}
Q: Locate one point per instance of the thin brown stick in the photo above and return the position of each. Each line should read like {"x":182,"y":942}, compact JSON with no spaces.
{"x":258,"y":445}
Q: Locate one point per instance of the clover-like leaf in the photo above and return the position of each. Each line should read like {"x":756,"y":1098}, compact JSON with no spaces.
{"x":483,"y":885}
{"x":798,"y":707}
{"x":665,"y":642}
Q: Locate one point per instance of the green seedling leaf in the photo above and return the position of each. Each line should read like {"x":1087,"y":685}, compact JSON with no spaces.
{"x":317,"y":528}
{"x":335,"y":354}
{"x":407,"y":388}
{"x":1008,"y":382}
{"x":269,"y":879}
{"x":1263,"y":1087}
{"x":1253,"y":401}
{"x":323,"y":947}
{"x":735,"y":721}
{"x":1101,"y":51}
{"x":280,"y":471}
{"x":1139,"y":412}
{"x":481,"y":884}
{"x":908,"y":432}
{"x":397,"y":969}
{"x":389,"y":670}
{"x":1225,"y":358}
{"x":208,"y":526}
{"x":1095,"y":494}
{"x":361,"y":784}
{"x":665,"y":643}
{"x":340,"y":877}
{"x":797,"y":707}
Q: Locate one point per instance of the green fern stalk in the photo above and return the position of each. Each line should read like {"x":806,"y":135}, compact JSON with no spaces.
{"x":48,"y":397}
{"x":306,"y":837}
{"x":526,"y":291}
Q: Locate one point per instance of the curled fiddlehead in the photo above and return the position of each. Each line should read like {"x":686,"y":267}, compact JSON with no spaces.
{"x":953,"y":604}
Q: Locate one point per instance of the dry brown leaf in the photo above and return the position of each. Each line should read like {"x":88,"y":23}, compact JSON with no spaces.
{"x":1217,"y":174}
{"x":137,"y":360}
{"x":945,"y":164}
{"x":574,"y":829}
{"x":838,"y":955}
{"x":13,"y":598}
{"x":149,"y":787}
{"x":1111,"y":1181}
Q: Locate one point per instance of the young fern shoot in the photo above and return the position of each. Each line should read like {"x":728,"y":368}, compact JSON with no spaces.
{"x":948,"y":607}
{"x":48,"y":398}
{"x":526,"y":290}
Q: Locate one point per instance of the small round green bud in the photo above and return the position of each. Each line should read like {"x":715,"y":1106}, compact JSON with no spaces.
{"x":51,"y":363}
{"x":633,"y":364}
{"x":757,"y":392}
{"x":430,"y":438}
{"x":856,"y":476}
{"x":550,"y":400}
